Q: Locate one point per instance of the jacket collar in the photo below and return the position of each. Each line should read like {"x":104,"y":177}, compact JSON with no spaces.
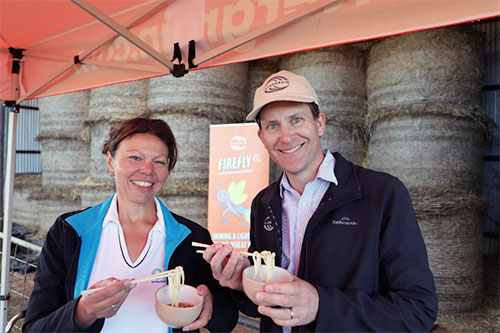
{"x":88,"y":225}
{"x":347,"y":190}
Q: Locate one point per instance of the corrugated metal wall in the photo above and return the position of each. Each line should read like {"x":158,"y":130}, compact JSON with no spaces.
{"x":491,"y":103}
{"x":28,"y":158}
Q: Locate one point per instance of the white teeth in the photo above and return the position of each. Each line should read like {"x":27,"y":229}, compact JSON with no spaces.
{"x":142,"y":183}
{"x":291,"y":150}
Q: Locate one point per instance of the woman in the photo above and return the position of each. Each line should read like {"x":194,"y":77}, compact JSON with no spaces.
{"x":130,"y":235}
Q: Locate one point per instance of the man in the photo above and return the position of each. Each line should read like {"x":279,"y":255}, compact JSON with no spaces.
{"x":348,"y":234}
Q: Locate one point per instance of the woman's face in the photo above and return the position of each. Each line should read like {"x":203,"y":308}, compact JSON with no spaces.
{"x":140,"y":167}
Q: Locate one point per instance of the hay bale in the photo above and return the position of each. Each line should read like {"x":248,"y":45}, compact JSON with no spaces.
{"x":451,"y":224}
{"x":193,"y":207}
{"x":64,"y":152}
{"x":99,"y":132}
{"x":219,"y":93}
{"x":190,"y":105}
{"x":428,"y":151}
{"x":338,"y":76}
{"x":65,"y":161}
{"x":63,"y":115}
{"x":192,"y":194}
{"x":432,"y":66}
{"x":94,"y":192}
{"x":24,"y":209}
{"x":118,"y":102}
{"x":192,"y":136}
{"x":52,"y":202}
{"x":258,"y":71}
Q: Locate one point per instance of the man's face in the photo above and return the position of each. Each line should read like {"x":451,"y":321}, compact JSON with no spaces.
{"x":292,"y":136}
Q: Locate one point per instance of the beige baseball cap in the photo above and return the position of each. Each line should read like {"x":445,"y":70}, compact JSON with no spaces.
{"x":282,"y":86}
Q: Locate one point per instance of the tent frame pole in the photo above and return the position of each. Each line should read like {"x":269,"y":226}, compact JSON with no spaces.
{"x":112,"y":24}
{"x":9,"y":191}
{"x":256,"y":33}
{"x":85,"y":54}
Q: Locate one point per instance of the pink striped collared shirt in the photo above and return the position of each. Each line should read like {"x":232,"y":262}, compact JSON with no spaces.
{"x":298,"y":209}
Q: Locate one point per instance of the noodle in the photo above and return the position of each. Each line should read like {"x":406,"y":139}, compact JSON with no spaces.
{"x":268,"y":258}
{"x":175,"y":283}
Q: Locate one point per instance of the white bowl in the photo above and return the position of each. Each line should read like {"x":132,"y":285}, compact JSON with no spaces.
{"x":176,"y":317}
{"x":252,"y":284}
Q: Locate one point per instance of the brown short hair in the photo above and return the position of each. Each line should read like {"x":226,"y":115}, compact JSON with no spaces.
{"x":156,"y":127}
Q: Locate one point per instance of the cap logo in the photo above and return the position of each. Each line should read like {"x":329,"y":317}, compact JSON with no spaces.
{"x":276,"y":83}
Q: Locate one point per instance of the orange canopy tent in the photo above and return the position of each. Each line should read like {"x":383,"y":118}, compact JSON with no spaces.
{"x":49,"y":47}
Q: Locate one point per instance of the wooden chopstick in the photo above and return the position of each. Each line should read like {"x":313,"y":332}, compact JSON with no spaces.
{"x":138,"y":280}
{"x":196,"y":244}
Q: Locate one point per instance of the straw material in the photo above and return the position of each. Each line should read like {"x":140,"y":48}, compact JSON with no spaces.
{"x":192,"y":134}
{"x":30,"y":180}
{"x":56,"y":193}
{"x":451,"y":224}
{"x":258,"y":71}
{"x":218,"y":94}
{"x":193,"y":207}
{"x":432,"y":66}
{"x":62,"y":116}
{"x":119,"y":101}
{"x":94,"y":192}
{"x":24,"y":210}
{"x":99,"y":132}
{"x":338,"y":76}
{"x":428,"y":151}
{"x":185,"y":187}
{"x":480,"y":118}
{"x":64,"y":161}
{"x":50,"y":208}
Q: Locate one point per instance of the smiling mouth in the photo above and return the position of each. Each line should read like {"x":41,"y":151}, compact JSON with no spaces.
{"x":142,"y":183}
{"x":288,"y":151}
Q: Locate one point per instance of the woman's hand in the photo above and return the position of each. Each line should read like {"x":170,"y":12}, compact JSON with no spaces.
{"x":206,"y":311}
{"x":103,"y":303}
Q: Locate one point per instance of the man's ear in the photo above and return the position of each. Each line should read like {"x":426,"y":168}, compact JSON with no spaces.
{"x":259,"y":133}
{"x":321,"y":121}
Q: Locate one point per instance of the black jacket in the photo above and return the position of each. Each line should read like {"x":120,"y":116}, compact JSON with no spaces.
{"x":362,"y":250}
{"x":52,"y":304}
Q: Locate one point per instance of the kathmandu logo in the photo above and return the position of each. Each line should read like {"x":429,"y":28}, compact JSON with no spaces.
{"x":268,"y":225}
{"x":276,"y":83}
{"x":345,"y":221}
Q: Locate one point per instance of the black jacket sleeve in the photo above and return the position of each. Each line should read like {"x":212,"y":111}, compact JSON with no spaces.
{"x":51,"y":306}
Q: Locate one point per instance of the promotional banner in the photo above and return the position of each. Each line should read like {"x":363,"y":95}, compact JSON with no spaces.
{"x":239,"y":169}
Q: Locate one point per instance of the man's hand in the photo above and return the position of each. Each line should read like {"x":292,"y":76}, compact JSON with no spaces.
{"x":299,"y":301}
{"x":227,"y":265}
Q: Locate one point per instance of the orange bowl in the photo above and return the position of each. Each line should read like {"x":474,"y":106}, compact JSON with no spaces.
{"x":176,"y":317}
{"x":253,"y":284}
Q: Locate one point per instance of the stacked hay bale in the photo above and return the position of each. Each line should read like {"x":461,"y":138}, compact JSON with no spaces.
{"x":189,"y":105}
{"x":64,"y":152}
{"x":258,"y":71}
{"x":337,"y":74}
{"x":25,"y":209}
{"x":108,"y":106}
{"x":427,"y":128}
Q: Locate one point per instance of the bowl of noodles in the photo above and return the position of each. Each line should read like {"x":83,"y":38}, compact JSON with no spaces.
{"x":177,"y":304}
{"x":255,"y":277}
